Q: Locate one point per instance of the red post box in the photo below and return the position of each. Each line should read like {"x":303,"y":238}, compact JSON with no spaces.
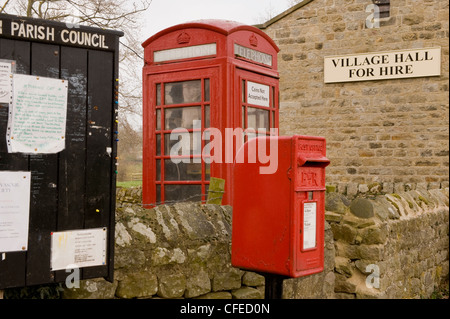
{"x":199,"y":79}
{"x":278,"y":218}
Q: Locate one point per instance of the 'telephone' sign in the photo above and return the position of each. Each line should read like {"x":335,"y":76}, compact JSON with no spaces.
{"x":383,"y":65}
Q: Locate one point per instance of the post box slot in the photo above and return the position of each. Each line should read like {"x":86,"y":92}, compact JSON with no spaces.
{"x":313,"y":162}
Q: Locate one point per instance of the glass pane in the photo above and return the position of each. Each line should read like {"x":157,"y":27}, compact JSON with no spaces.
{"x":158,"y":194}
{"x":183,"y":92}
{"x":158,"y":144}
{"x":183,"y":192}
{"x":183,"y":117}
{"x":207,"y":172}
{"x":243,"y":91}
{"x":207,"y":90}
{"x":273,"y":97}
{"x":207,"y":116}
{"x":158,"y":94}
{"x":258,"y":119}
{"x":273,"y":119}
{"x":158,"y":120}
{"x":243,"y":118}
{"x":184,"y":144}
{"x":158,"y":170}
{"x":182,"y":171}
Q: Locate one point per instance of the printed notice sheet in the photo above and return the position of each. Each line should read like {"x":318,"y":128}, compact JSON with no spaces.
{"x":14,"y":210}
{"x":37,"y":123}
{"x":309,"y":225}
{"x":78,"y":249}
{"x":6,"y":70}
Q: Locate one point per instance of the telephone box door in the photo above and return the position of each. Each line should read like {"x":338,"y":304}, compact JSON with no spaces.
{"x":178,"y":116}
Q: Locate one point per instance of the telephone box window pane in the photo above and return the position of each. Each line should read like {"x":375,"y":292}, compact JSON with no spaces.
{"x":158,"y":194}
{"x":207,"y":90}
{"x":258,"y":119}
{"x":158,"y":120}
{"x":183,"y":117}
{"x":207,"y":171}
{"x":184,"y":144}
{"x":243,"y":118}
{"x":158,"y":94}
{"x":178,"y":193}
{"x":158,"y":144}
{"x":243,"y":91}
{"x":158,"y":170}
{"x":183,"y":92}
{"x":273,"y":119}
{"x":182,"y":171}
{"x":207,"y":116}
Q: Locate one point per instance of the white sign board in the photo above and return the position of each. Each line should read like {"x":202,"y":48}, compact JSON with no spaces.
{"x":383,"y":65}
{"x":6,"y":70}
{"x":309,"y":225}
{"x":78,"y":248}
{"x":253,"y":55}
{"x":258,"y":94}
{"x":14,"y":210}
{"x":195,"y":51}
{"x":37,"y":123}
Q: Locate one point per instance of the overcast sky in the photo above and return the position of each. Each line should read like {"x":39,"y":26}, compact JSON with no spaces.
{"x":166,"y":13}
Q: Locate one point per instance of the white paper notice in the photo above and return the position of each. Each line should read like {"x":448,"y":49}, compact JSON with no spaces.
{"x":37,"y":123}
{"x":258,"y":94}
{"x":309,"y":225}
{"x":6,"y":69}
{"x":80,"y":248}
{"x":14,"y":210}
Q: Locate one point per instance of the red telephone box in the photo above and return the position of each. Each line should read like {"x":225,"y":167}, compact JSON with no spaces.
{"x":200,"y":79}
{"x":278,"y":218}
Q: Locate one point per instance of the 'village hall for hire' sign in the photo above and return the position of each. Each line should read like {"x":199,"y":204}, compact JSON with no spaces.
{"x":383,"y":65}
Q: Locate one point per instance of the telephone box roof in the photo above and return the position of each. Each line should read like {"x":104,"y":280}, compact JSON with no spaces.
{"x":225,"y":27}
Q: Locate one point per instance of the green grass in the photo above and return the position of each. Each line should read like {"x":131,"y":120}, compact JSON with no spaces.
{"x":129,"y":184}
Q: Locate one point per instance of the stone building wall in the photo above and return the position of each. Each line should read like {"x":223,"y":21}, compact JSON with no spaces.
{"x":388,"y":131}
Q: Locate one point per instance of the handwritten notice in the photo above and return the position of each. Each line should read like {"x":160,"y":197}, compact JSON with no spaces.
{"x":6,"y":70}
{"x":14,"y":210}
{"x":78,"y":248}
{"x":37,"y":123}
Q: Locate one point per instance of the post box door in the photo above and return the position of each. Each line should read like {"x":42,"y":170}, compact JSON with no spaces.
{"x":184,"y":105}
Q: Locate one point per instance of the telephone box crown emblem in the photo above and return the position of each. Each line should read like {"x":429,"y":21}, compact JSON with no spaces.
{"x":184,"y":38}
{"x":254,"y":40}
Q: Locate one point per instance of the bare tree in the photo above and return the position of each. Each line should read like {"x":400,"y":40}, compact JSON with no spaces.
{"x":107,"y":14}
{"x":121,"y":15}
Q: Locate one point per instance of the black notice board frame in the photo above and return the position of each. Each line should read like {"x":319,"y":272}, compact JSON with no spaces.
{"x":76,"y":188}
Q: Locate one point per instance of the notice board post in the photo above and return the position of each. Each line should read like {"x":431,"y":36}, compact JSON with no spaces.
{"x":71,"y":189}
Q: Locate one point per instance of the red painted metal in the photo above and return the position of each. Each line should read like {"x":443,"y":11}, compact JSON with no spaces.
{"x":226,"y":72}
{"x":269,"y":224}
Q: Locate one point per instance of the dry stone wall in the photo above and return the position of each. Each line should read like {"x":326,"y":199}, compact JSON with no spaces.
{"x":376,"y":246}
{"x":391,"y":246}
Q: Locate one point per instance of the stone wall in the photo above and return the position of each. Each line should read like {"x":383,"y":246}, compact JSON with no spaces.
{"x":392,"y":246}
{"x":183,"y":251}
{"x":389,"y":131}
